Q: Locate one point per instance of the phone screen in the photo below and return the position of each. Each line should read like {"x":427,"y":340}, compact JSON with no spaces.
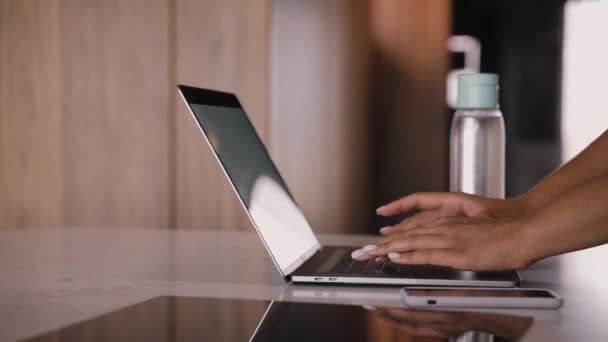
{"x":479,"y":293}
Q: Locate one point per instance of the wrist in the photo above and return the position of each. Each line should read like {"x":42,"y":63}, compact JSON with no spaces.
{"x":532,"y":200}
{"x":524,"y":203}
{"x":511,"y":249}
{"x":529,"y":248}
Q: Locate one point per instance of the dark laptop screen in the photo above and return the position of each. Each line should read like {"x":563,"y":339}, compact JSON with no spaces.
{"x":254,"y":176}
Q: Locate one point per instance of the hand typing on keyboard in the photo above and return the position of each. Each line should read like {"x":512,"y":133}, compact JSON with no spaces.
{"x":455,"y":230}
{"x":564,"y":212}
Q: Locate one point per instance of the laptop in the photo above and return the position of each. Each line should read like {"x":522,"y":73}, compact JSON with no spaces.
{"x":281,"y":225}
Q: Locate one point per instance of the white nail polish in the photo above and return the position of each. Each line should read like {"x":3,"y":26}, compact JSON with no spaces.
{"x":369,"y":248}
{"x":394,"y":255}
{"x":385,"y":229}
{"x":357,"y":254}
{"x":369,"y":307}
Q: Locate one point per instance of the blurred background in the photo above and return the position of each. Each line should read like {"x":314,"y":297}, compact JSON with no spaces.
{"x":352,"y":98}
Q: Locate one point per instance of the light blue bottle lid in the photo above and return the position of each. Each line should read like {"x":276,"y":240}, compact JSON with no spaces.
{"x":477,"y":91}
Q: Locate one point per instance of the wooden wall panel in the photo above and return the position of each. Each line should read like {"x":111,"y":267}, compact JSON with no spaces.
{"x":30,"y":114}
{"x":84,"y":113}
{"x":220,"y":45}
{"x":410,"y":116}
{"x":115,"y":103}
{"x":92,"y":131}
{"x":320,"y":118}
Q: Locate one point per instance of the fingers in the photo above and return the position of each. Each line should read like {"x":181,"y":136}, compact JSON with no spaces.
{"x":392,"y":245}
{"x":417,"y":220}
{"x":420,"y":201}
{"x":438,"y":257}
{"x":417,"y":231}
{"x":411,"y":243}
{"x":361,"y":255}
{"x":421,"y":316}
{"x":440,"y":225}
{"x":406,"y":327}
{"x":474,"y":244}
{"x":430,"y":248}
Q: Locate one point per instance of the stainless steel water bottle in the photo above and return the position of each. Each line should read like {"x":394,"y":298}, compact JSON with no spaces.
{"x":477,"y":138}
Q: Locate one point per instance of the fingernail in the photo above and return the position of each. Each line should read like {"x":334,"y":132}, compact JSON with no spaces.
{"x":369,"y":307}
{"x":369,"y":248}
{"x":379,"y":210}
{"x":357,"y":254}
{"x":394,"y":255}
{"x":379,"y":259}
{"x":385,"y":229}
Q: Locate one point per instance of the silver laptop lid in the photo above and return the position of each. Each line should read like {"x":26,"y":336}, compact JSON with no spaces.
{"x":272,"y":209}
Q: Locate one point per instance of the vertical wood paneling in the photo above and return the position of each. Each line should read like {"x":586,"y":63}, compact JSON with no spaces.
{"x":320,"y":120}
{"x":30,"y":114}
{"x":92,"y":132}
{"x":220,"y":45}
{"x":410,"y":116}
{"x":115,"y":111}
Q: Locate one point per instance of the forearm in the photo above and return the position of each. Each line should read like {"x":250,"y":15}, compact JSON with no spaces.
{"x":576,"y":219}
{"x":589,"y":164}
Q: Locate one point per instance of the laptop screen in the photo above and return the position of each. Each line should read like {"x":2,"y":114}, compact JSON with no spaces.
{"x":281,"y":224}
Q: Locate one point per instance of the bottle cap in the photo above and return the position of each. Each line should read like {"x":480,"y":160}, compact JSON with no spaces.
{"x":477,"y":91}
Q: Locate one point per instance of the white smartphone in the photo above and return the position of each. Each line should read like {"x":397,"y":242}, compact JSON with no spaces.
{"x":466,"y":297}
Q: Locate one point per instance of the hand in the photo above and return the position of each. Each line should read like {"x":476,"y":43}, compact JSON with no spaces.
{"x":453,"y":323}
{"x":475,"y":244}
{"x":436,"y":205}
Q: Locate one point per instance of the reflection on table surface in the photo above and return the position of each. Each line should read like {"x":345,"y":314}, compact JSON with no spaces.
{"x":285,"y":321}
{"x":455,"y":324}
{"x":170,"y":318}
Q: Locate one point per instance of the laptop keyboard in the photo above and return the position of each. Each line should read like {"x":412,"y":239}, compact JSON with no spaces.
{"x":371,"y":266}
{"x":368,"y":267}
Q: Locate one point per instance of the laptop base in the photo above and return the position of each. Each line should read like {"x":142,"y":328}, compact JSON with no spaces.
{"x":333,"y":265}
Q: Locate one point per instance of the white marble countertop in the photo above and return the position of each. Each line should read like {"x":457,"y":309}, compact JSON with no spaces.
{"x":50,"y":278}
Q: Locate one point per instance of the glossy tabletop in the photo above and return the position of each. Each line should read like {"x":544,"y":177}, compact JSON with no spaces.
{"x":51,"y":278}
